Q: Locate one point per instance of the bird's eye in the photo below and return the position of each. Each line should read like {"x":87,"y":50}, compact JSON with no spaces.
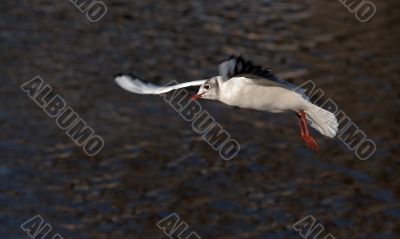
{"x":206,"y":87}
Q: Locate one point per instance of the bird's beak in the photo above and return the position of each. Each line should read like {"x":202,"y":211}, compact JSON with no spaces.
{"x":197,"y":96}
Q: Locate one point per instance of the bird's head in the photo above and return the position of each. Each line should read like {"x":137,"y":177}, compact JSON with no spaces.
{"x":209,"y":89}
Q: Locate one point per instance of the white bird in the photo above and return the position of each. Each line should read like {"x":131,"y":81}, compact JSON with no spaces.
{"x":243,"y":84}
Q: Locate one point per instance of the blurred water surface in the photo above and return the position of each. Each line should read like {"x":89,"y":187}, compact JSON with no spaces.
{"x":153,"y":163}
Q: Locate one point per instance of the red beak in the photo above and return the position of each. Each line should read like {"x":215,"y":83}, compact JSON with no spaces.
{"x":198,"y":96}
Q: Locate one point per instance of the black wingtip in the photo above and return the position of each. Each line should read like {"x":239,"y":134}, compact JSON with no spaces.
{"x":241,"y":65}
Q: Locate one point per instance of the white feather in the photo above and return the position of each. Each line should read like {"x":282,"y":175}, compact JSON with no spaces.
{"x":322,"y":120}
{"x":139,"y":87}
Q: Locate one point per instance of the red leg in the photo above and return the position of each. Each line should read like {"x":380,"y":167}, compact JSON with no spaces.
{"x":302,"y":130}
{"x":305,"y":134}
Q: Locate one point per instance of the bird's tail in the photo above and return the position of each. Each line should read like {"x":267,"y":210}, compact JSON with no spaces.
{"x":322,"y":120}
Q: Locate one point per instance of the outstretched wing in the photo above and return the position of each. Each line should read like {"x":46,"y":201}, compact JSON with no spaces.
{"x":137,"y":86}
{"x":238,"y":66}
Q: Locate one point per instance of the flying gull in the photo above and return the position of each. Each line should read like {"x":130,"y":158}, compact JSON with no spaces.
{"x":241,"y":83}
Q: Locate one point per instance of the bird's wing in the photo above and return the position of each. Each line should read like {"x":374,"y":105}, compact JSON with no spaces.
{"x":237,"y":66}
{"x":139,"y":87}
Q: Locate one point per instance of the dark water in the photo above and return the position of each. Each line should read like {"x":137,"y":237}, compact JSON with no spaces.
{"x":153,"y":163}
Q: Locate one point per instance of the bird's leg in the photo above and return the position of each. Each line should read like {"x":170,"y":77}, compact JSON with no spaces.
{"x":301,"y":125}
{"x":305,"y":134}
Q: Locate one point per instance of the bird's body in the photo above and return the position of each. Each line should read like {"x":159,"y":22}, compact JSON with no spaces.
{"x":246,"y":93}
{"x":245,"y":85}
